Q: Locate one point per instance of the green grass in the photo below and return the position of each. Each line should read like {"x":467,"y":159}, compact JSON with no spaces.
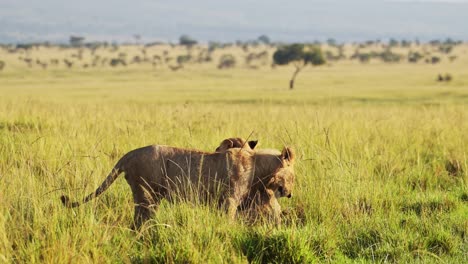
{"x":373,"y":177}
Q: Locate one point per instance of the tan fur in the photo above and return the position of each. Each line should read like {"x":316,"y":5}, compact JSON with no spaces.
{"x":265,"y":190}
{"x":236,"y":143}
{"x":261,"y":201}
{"x":156,"y":172}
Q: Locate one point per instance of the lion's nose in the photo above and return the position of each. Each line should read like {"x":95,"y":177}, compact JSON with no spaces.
{"x":290,"y":195}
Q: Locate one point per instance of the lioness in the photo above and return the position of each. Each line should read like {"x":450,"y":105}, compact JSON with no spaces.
{"x":260,"y":200}
{"x":156,"y":172}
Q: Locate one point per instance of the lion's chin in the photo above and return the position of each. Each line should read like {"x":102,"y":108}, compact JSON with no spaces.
{"x":278,"y":194}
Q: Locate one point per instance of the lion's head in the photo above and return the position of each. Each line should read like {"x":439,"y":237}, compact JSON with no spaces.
{"x":235,"y":143}
{"x":281,"y":165}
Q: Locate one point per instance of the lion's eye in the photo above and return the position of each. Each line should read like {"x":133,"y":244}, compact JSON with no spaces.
{"x":280,"y":190}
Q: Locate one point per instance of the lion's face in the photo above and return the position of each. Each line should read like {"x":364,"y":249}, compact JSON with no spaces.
{"x":282,"y":182}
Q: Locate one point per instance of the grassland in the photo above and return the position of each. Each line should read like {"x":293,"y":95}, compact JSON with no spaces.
{"x":381,"y":175}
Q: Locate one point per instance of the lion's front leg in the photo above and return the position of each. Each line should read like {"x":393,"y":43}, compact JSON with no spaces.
{"x":231,"y":205}
{"x":271,"y":206}
{"x":275,"y":210}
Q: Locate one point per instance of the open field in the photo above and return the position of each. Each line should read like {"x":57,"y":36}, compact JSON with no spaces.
{"x":381,"y":173}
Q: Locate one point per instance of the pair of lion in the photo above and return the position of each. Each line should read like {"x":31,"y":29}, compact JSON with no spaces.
{"x":237,"y":176}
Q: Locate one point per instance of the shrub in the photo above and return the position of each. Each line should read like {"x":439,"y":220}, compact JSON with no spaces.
{"x":182,"y":59}
{"x":117,"y":61}
{"x":414,"y":57}
{"x":227,"y":61}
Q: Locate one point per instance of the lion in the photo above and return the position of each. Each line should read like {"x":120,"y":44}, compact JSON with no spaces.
{"x":157,"y":171}
{"x":260,"y":201}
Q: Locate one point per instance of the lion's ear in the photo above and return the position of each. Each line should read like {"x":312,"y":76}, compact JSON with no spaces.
{"x":253,"y":143}
{"x":288,"y":154}
{"x":225,"y":145}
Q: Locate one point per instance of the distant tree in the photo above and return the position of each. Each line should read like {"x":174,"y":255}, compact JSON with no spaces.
{"x":261,"y":57}
{"x":76,"y":41}
{"x":446,"y":48}
{"x":204,"y":56}
{"x":450,"y":41}
{"x":117,"y":61}
{"x":299,"y":57}
{"x":331,"y":42}
{"x":435,"y":60}
{"x":362,"y":57}
{"x":414,"y":57}
{"x":227,"y":61}
{"x":136,"y":59}
{"x":153,"y":44}
{"x":405,"y":43}
{"x":182,"y":59}
{"x":212,"y":46}
{"x":24,"y":46}
{"x":264,"y":39}
{"x":185,"y":40}
{"x":435,"y":42}
{"x":389,"y":57}
{"x":393,"y":42}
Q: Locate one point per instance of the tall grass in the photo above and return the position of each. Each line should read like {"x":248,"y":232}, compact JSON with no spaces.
{"x":374,"y":180}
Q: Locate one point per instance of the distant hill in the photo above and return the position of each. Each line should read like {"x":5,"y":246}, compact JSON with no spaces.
{"x":300,"y":20}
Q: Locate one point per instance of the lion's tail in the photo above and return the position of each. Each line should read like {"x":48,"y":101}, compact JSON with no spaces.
{"x":102,"y":188}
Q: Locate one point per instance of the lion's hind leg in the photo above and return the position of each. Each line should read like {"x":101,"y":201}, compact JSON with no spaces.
{"x":146,"y":202}
{"x":142,"y":214}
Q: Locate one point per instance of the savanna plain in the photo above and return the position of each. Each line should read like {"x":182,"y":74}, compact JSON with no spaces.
{"x":381,"y":170}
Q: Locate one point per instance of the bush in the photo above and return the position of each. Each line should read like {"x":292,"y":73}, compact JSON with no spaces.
{"x":414,"y":57}
{"x":181,"y":59}
{"x":390,"y":57}
{"x":227,"y":61}
{"x":117,"y":61}
{"x":434,"y":60}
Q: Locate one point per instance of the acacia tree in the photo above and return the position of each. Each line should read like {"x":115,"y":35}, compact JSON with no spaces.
{"x":299,"y":57}
{"x":76,"y":41}
{"x":185,"y":40}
